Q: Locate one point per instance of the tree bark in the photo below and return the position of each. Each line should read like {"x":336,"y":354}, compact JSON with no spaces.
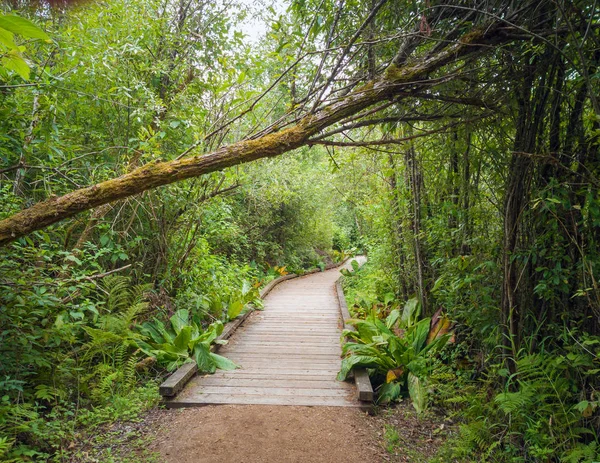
{"x":391,"y":84}
{"x":397,"y":232}
{"x":18,"y":185}
{"x":414,"y":180}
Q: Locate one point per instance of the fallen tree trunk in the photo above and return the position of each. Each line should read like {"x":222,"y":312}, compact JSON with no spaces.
{"x":395,"y":82}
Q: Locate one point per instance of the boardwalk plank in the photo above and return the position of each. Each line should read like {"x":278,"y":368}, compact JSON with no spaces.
{"x":207,"y":399}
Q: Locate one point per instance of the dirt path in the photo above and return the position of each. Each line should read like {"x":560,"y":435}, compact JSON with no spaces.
{"x":268,"y":434}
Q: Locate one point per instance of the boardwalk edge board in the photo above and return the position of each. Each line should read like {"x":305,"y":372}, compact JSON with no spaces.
{"x":364,"y":389}
{"x":175,"y":382}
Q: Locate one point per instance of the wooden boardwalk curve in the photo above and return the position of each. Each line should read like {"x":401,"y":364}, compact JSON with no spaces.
{"x":289,"y":353}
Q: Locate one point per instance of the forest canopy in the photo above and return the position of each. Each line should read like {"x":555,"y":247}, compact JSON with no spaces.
{"x":154,"y":158}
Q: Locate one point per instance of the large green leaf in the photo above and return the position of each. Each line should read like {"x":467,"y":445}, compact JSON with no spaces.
{"x":366,"y":331}
{"x":223,"y":363}
{"x":14,"y":62}
{"x":411,"y":312}
{"x":418,"y":393}
{"x":392,"y":318}
{"x":353,"y":361}
{"x":7,"y":39}
{"x":171,"y":349}
{"x":203,"y":358}
{"x":382,"y":328}
{"x":389,"y":392}
{"x":360,"y":349}
{"x":212,"y":332}
{"x":234,"y":309}
{"x":437,"y":344}
{"x":180,"y":319}
{"x":146,"y":348}
{"x":23,"y":27}
{"x":397,"y":348}
{"x":166,"y":336}
{"x":183,"y":339}
{"x":149,"y":330}
{"x":417,"y":335}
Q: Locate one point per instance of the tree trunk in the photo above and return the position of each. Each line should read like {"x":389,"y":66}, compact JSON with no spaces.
{"x":397,"y":235}
{"x":393,"y":83}
{"x":414,"y":181}
{"x":20,"y":173}
{"x":529,"y":124}
{"x":465,"y":248}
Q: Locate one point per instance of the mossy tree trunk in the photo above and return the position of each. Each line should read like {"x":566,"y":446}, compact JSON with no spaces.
{"x":394,"y":83}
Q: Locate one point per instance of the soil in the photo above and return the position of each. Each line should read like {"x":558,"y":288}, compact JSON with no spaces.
{"x":267,"y":434}
{"x":289,"y":434}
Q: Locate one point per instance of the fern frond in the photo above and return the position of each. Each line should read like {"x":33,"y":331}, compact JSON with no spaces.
{"x":119,"y":292}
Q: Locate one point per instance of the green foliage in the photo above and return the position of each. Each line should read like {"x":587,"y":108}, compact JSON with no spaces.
{"x":183,"y":341}
{"x":538,"y":414}
{"x":12,"y":59}
{"x":404,"y":361}
{"x":433,"y":214}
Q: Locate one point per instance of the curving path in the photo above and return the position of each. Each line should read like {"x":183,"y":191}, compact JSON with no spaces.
{"x":289,"y":353}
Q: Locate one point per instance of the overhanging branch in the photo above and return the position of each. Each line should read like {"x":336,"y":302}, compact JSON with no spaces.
{"x":389,"y":85}
{"x":390,"y":141}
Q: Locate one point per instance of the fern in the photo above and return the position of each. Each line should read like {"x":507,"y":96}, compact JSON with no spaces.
{"x":112,"y":339}
{"x":129,"y":371}
{"x":117,"y":289}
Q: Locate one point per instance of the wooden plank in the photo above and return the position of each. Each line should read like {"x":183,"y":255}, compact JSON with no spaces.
{"x":268,"y":339}
{"x":282,"y":376}
{"x":364,"y":389}
{"x":249,"y":345}
{"x":271,"y":391}
{"x":307,"y":363}
{"x":207,"y":399}
{"x":263,"y":382}
{"x":343,"y":306}
{"x":291,"y":330}
{"x":333,"y":364}
{"x":330,"y":369}
{"x":306,"y":335}
{"x":269,"y":336}
{"x":304,"y":357}
{"x":306,"y":350}
{"x":322,"y":339}
{"x":307,"y":358}
{"x":269,"y":286}
{"x":317,"y":341}
{"x":174,"y":383}
{"x":292,"y":370}
{"x":297,"y":322}
{"x":253,"y":329}
{"x":293,"y":321}
{"x":299,"y":318}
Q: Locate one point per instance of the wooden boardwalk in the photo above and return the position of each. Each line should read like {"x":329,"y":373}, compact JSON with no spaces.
{"x":289,"y":353}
